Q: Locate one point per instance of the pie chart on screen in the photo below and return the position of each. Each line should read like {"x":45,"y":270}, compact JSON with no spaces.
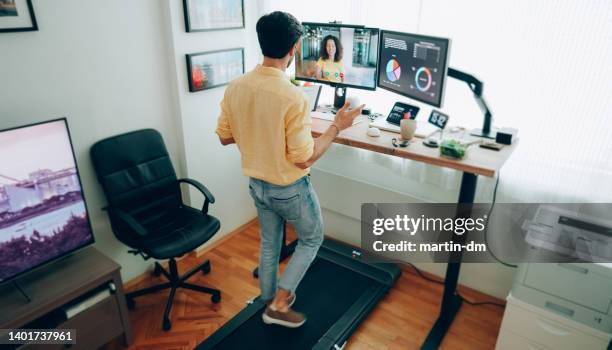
{"x":394,"y":71}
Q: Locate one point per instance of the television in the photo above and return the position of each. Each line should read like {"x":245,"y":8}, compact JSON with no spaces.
{"x":43,"y":215}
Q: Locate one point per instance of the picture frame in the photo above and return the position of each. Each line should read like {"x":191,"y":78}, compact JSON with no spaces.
{"x":17,"y":16}
{"x":211,"y":69}
{"x":210,"y":15}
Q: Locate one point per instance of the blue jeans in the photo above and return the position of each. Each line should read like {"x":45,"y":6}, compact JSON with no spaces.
{"x":297,"y":204}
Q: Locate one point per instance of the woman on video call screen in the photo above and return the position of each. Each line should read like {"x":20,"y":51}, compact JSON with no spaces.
{"x":338,"y":54}
{"x":329,"y":65}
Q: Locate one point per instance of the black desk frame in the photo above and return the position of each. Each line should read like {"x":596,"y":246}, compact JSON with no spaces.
{"x":451,"y":302}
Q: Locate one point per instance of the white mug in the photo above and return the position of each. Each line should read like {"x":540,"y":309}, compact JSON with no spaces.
{"x":354,"y":101}
{"x":407,"y":128}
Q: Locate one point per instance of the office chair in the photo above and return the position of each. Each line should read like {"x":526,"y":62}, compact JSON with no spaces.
{"x":146,"y":210}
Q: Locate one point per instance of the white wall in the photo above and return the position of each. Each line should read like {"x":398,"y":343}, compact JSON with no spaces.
{"x":104,"y":65}
{"x":206,"y":160}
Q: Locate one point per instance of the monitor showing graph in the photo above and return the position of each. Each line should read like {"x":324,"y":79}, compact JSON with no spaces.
{"x":413,"y":66}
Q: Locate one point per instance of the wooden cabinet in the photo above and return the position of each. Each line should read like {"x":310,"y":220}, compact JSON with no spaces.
{"x":66,"y":282}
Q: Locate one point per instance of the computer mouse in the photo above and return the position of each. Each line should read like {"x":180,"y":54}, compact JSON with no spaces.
{"x":374,"y":132}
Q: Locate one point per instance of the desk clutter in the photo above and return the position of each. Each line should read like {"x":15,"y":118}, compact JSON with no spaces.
{"x":453,"y":142}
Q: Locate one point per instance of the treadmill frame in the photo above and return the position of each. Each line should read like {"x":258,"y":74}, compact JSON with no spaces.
{"x":348,"y":257}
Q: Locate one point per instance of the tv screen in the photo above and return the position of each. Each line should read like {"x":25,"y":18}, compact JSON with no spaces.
{"x":42,"y":209}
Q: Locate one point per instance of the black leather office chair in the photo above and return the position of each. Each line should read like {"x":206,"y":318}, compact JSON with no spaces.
{"x":146,"y":209}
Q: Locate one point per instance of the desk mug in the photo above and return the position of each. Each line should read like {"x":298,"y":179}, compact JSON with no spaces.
{"x":354,"y":101}
{"x":407,"y":129}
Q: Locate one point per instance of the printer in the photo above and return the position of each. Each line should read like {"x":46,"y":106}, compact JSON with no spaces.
{"x":570,"y":233}
{"x":565,"y":305}
{"x":577,"y":291}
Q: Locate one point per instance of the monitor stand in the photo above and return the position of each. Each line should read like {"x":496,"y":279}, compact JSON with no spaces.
{"x":339,"y":98}
{"x":490,"y":134}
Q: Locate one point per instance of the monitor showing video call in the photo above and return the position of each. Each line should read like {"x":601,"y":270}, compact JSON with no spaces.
{"x":414,"y":66}
{"x":339,"y":55}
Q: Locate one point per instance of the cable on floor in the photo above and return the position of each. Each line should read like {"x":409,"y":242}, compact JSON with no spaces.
{"x":473,"y":303}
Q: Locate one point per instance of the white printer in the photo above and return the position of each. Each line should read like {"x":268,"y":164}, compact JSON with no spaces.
{"x":560,"y":306}
{"x":570,"y":233}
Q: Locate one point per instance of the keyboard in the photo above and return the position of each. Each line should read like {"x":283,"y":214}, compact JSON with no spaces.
{"x":331,"y":117}
{"x":323,"y":115}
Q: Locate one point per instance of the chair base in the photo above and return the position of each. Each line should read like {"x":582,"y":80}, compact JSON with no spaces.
{"x":174,"y":282}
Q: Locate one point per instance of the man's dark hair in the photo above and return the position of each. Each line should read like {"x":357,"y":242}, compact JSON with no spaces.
{"x":277,"y":33}
{"x":323,"y":50}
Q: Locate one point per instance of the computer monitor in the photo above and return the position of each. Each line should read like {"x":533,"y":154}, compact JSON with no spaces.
{"x":339,"y":55}
{"x":43,"y":215}
{"x":413,"y":66}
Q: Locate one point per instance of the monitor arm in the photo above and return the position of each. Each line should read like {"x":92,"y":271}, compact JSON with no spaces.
{"x":476,"y":86}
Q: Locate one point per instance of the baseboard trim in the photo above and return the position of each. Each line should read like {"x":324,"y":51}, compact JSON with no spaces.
{"x":469,"y":293}
{"x":200,"y":252}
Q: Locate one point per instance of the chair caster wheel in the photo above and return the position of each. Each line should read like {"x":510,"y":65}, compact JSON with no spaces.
{"x":131,"y":303}
{"x":157,"y":271}
{"x":206,"y":268}
{"x":166,"y":325}
{"x":215,"y":298}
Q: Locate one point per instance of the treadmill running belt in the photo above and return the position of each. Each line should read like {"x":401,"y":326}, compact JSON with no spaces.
{"x":326,"y":291}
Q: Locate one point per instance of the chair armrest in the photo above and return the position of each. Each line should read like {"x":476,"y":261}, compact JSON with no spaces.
{"x":134,"y":226}
{"x":200,"y":187}
{"x":209,"y":198}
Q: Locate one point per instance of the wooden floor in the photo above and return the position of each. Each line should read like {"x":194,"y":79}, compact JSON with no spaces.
{"x":401,"y":320}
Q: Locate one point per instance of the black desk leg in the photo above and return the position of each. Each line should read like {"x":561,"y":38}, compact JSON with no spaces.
{"x":286,"y":250}
{"x":451,"y":302}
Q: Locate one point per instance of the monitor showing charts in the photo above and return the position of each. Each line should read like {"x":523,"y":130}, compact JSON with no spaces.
{"x":338,"y":55}
{"x":413,"y":66}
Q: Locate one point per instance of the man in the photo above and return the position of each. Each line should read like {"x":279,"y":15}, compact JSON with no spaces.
{"x":269,"y":120}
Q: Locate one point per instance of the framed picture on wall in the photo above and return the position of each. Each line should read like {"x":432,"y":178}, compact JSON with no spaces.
{"x":17,"y":16}
{"x":207,"y":70}
{"x":205,"y":15}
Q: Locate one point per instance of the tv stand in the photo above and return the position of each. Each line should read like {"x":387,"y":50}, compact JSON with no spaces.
{"x":27,"y":297}
{"x":65,"y":282}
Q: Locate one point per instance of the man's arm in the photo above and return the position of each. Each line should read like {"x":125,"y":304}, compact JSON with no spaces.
{"x":344,"y":119}
{"x":226,"y":142}
{"x":223,"y":126}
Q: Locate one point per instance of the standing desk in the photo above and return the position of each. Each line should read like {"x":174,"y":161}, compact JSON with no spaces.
{"x":478,"y":161}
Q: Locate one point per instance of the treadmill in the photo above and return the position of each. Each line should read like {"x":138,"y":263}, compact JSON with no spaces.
{"x":337,"y":294}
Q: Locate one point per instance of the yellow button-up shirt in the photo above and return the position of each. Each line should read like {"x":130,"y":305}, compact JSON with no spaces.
{"x":269,"y":118}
